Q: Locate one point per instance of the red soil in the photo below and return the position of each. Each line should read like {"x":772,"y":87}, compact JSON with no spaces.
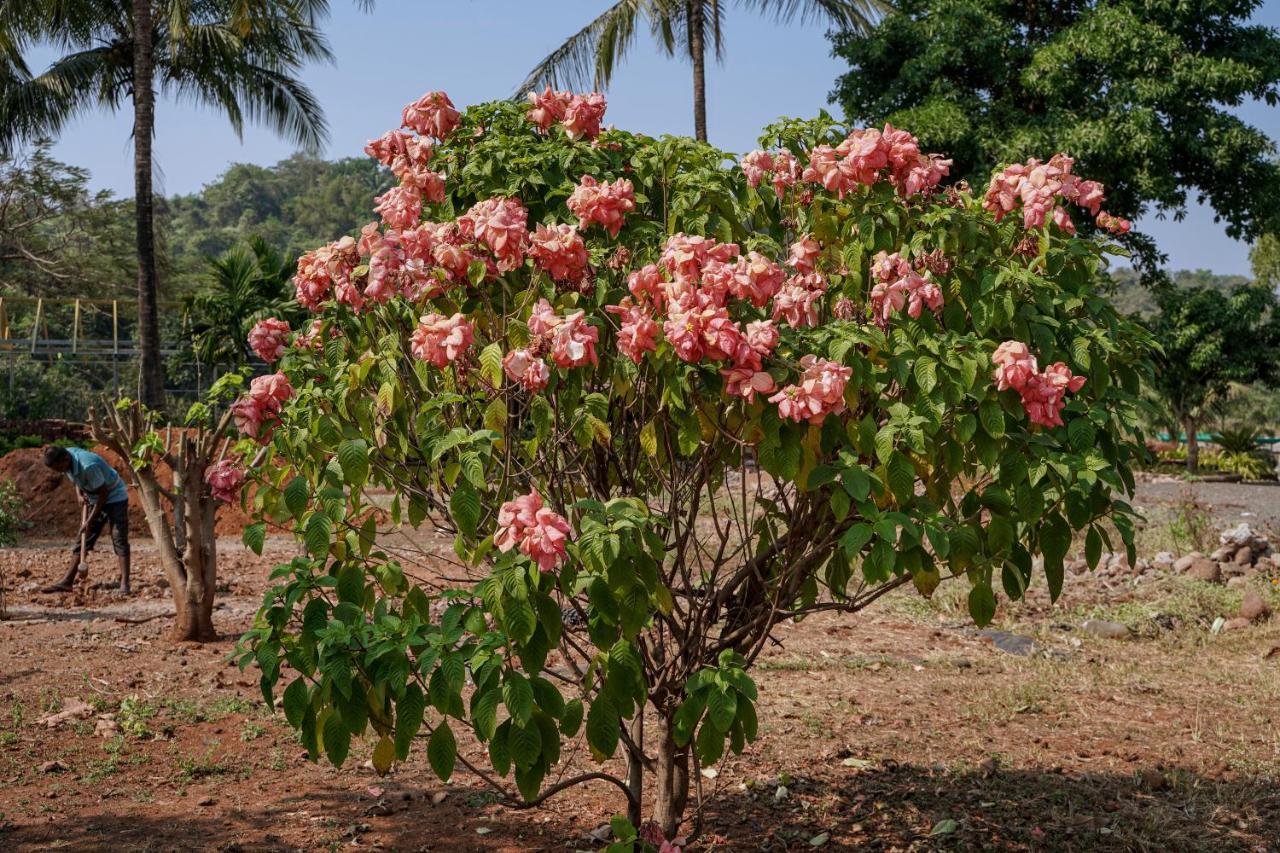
{"x":51,"y":506}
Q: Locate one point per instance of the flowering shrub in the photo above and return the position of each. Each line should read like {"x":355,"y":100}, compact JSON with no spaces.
{"x":662,"y":402}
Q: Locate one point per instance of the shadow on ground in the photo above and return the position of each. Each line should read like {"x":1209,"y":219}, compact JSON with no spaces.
{"x":891,"y":807}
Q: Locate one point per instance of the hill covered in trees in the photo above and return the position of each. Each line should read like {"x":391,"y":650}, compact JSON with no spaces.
{"x":1130,"y":296}
{"x":294,"y":205}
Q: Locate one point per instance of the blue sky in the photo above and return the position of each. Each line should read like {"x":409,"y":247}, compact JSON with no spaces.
{"x":479,"y":50}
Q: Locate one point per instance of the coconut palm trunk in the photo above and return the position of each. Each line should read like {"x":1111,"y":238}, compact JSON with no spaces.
{"x":589,"y":56}
{"x":697,"y":55}
{"x":151,"y":379}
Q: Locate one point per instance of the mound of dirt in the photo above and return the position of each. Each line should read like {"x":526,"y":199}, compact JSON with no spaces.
{"x":51,"y":507}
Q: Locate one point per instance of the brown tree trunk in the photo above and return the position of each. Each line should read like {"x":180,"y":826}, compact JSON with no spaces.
{"x":635,"y":769}
{"x":193,"y":620}
{"x":697,"y":51}
{"x":1190,"y":426}
{"x":671,"y":781}
{"x":193,"y":603}
{"x":151,"y":380}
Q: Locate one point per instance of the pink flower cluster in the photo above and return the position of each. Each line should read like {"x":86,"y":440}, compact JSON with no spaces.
{"x":310,"y":339}
{"x":898,"y":284}
{"x":804,"y":254}
{"x":408,"y":156}
{"x":440,"y":339}
{"x":868,"y":155}
{"x":1113,"y":224}
{"x":819,"y":393}
{"x":637,"y":331}
{"x":432,"y":115}
{"x":400,"y":207}
{"x":269,"y":338}
{"x":797,"y":301}
{"x":559,"y":251}
{"x":526,"y":370}
{"x":225,"y":480}
{"x":501,"y":226}
{"x":580,"y":115}
{"x":258,"y":413}
{"x":781,"y":168}
{"x":537,"y":531}
{"x":1038,"y":187}
{"x":692,"y":285}
{"x":323,"y":270}
{"x":605,"y":203}
{"x":1043,"y":394}
{"x":573,"y":339}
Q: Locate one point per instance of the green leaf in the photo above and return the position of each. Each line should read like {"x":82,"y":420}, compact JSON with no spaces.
{"x":572,"y":718}
{"x":982,"y":605}
{"x":926,"y":372}
{"x":337,"y":740}
{"x":517,"y":695}
{"x":1092,"y":547}
{"x":491,"y":364}
{"x":351,"y":584}
{"x":855,"y":538}
{"x":547,"y":696}
{"x":525,"y":743}
{"x":254,"y":536}
{"x":409,"y":711}
{"x":295,"y":701}
{"x":902,"y":476}
{"x":353,"y":456}
{"x":442,"y":751}
{"x":317,"y":534}
{"x":484,"y":712}
{"x":464,"y":506}
{"x":296,"y":496}
{"x":722,"y":707}
{"x":603,"y":728}
{"x":992,"y":417}
{"x":1081,"y":433}
{"x":649,"y":439}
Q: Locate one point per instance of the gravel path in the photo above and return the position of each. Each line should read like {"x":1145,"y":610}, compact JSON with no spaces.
{"x":1230,"y":503}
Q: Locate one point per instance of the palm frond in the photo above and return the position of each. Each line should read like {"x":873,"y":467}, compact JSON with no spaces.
{"x":587,"y":58}
{"x":284,"y":104}
{"x":855,"y":15}
{"x":40,"y":106}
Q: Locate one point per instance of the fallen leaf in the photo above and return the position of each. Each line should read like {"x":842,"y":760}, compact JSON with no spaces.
{"x":820,"y":839}
{"x":856,"y":762}
{"x":944,"y":827}
{"x":710,"y":772}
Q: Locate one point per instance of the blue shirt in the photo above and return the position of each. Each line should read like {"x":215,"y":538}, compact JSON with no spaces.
{"x":90,"y":472}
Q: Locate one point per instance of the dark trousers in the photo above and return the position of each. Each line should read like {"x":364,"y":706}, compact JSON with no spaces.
{"x":117,"y":515}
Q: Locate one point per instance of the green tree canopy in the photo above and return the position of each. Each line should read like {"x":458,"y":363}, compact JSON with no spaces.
{"x":1264,"y":257}
{"x":58,"y":238}
{"x":1210,"y":339}
{"x":1139,"y":92}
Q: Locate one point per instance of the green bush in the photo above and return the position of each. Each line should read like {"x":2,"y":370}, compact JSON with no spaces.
{"x":1250,"y":466}
{"x":11,"y":506}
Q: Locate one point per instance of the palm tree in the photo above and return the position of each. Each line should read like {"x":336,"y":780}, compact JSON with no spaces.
{"x":246,"y":284}
{"x":238,"y":56}
{"x":588,"y":57}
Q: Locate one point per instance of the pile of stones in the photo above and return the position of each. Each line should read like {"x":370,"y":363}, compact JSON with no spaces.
{"x":1243,"y":554}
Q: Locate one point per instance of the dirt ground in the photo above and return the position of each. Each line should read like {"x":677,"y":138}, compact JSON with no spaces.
{"x":902,"y":728}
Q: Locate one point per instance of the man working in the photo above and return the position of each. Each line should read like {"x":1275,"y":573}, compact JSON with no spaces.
{"x":97,"y":482}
